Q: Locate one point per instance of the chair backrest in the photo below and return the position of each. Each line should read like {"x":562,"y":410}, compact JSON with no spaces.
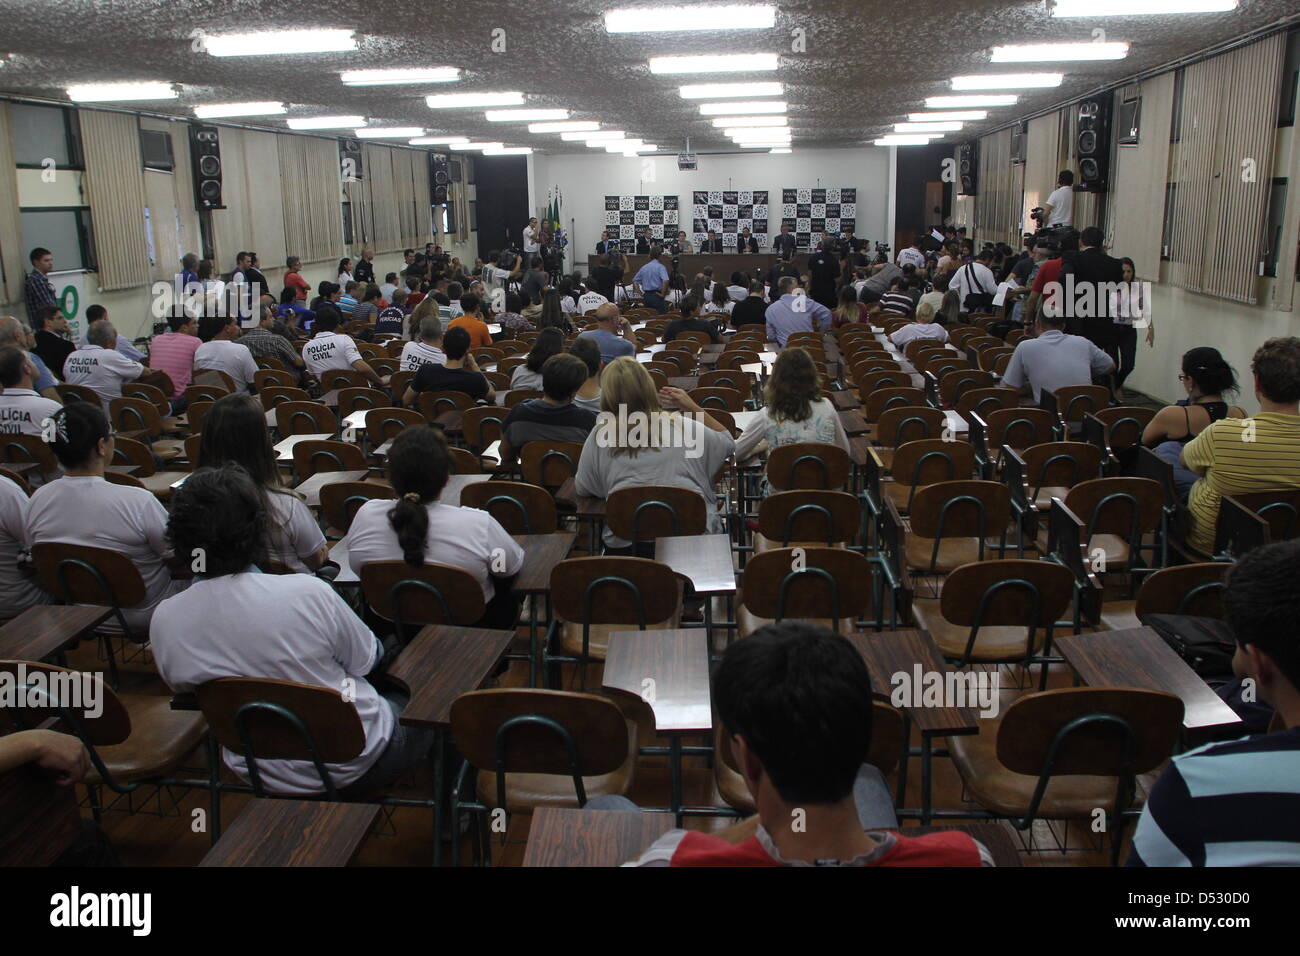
{"x":985,"y":401}
{"x":274,"y":395}
{"x":340,"y":501}
{"x":882,"y":399}
{"x":112,"y":725}
{"x":17,"y":479}
{"x":735,"y":358}
{"x":517,"y":395}
{"x":1195,"y":589}
{"x":952,"y":385}
{"x":385,"y":424}
{"x":1060,"y":463}
{"x":809,"y":582}
{"x":726,"y":399}
{"x":510,"y":363}
{"x":131,"y":414}
{"x":549,"y":463}
{"x":966,"y":508}
{"x":1128,"y":507}
{"x":1011,"y":593}
{"x":1124,"y":424}
{"x":360,"y":399}
{"x":464,"y":462}
{"x":615,"y":590}
{"x":808,"y":465}
{"x":518,"y":507}
{"x":128,"y":451}
{"x":195,"y":413}
{"x":742,"y":382}
{"x":79,"y":574}
{"x":810,"y":515}
{"x":270,"y":363}
{"x":336,"y":378}
{"x":16,"y":447}
{"x":886,"y":378}
{"x":76,"y":393}
{"x":399,"y":382}
{"x":304,"y":418}
{"x":899,"y":425}
{"x":1019,"y":427}
{"x":646,"y":512}
{"x":264,"y":378}
{"x":433,"y":404}
{"x":1074,"y":401}
{"x":428,"y":594}
{"x":930,"y":460}
{"x":204,"y":393}
{"x":150,"y":393}
{"x":310,"y":457}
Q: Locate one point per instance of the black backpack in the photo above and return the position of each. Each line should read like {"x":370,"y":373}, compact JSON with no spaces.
{"x":1205,"y":643}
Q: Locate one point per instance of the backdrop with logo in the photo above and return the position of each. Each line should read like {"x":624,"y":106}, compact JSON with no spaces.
{"x":727,"y":212}
{"x":623,"y":214}
{"x":810,"y":211}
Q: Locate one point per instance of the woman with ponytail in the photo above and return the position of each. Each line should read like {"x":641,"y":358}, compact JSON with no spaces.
{"x":419,"y":529}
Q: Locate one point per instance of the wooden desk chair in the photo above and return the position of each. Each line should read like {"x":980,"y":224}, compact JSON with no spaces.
{"x":370,"y":352}
{"x":882,"y":399}
{"x":902,"y":424}
{"x":645,"y":338}
{"x":733,"y":359}
{"x":1053,"y":468}
{"x":511,"y":347}
{"x":1016,"y":427}
{"x":412,"y":597}
{"x":272,"y":364}
{"x":829,"y":587}
{"x":340,"y":378}
{"x":808,"y":465}
{"x":985,"y":401}
{"x":1252,"y":519}
{"x":863,"y":367}
{"x":141,"y":417}
{"x":683,"y":359}
{"x":726,"y":399}
{"x":530,"y":748}
{"x":666,"y":370}
{"x":264,"y":378}
{"x":959,"y":335}
{"x":1072,"y":402}
{"x":518,"y":507}
{"x":464,"y":462}
{"x":992,"y":354}
{"x":549,"y":464}
{"x":919,"y":347}
{"x":498,"y":380}
{"x":360,"y":399}
{"x":434,"y":404}
{"x":339,"y":503}
{"x":304,"y":418}
{"x":742,"y":382}
{"x":486,"y":354}
{"x":310,"y":457}
{"x":1117,"y":514}
{"x":205,"y":393}
{"x":127,"y":451}
{"x":802,"y":339}
{"x":594,"y":597}
{"x":481,"y":426}
{"x":517,"y":395}
{"x":76,"y":393}
{"x":1061,"y":754}
{"x":17,"y":448}
{"x":885,"y":378}
{"x":951,"y":522}
{"x":926,"y":462}
{"x":953,"y":384}
{"x":1116,"y":431}
{"x":385,"y":424}
{"x":151,"y":394}
{"x":646,"y":512}
{"x":274,"y":395}
{"x":195,"y":414}
{"x":807,"y":518}
{"x":998,"y":612}
{"x":508,"y":364}
{"x":399,"y":383}
{"x":395,"y":347}
{"x":136,"y":740}
{"x":940,"y":363}
{"x":192,"y":446}
{"x":698,"y":339}
{"x":17,"y":479}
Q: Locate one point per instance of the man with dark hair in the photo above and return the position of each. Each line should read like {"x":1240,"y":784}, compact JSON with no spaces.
{"x":480,"y":336}
{"x":458,"y":373}
{"x":554,"y":416}
{"x":1053,"y":359}
{"x":793,"y":311}
{"x":221,"y":353}
{"x":53,"y":338}
{"x":1059,"y":208}
{"x":912,"y":255}
{"x":752,"y":310}
{"x":711,"y":243}
{"x":535,"y":279}
{"x":97,"y":313}
{"x":1096,"y":277}
{"x":263,"y":342}
{"x":22,"y":410}
{"x":795,"y":702}
{"x":1237,"y":456}
{"x":173,"y":353}
{"x":37,"y":289}
{"x":691,"y":322}
{"x":896,"y":301}
{"x":1237,"y":803}
{"x":785,"y":243}
{"x":330,"y":350}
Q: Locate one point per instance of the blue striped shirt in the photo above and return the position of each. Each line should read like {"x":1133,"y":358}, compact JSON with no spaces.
{"x":1225,"y":804}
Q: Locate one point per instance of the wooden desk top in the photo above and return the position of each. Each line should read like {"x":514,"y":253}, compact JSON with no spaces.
{"x":703,"y":559}
{"x":41,"y":631}
{"x":458,"y":483}
{"x":310,"y":488}
{"x":41,"y":818}
{"x":561,"y":837}
{"x":845,"y":401}
{"x":284,"y":449}
{"x":330,"y":398}
{"x":441,"y":664}
{"x":542,"y":552}
{"x":1139,"y":657}
{"x":586,"y":507}
{"x":685,"y":382}
{"x":293,"y":833}
{"x":893,"y":652}
{"x":678,"y":664}
{"x":853,"y":422}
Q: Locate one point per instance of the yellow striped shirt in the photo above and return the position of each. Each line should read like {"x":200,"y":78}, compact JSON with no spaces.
{"x":1238,"y":456}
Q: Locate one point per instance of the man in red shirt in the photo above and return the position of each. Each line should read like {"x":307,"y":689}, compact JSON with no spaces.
{"x":173,"y":353}
{"x":796,"y":701}
{"x":293,"y":279}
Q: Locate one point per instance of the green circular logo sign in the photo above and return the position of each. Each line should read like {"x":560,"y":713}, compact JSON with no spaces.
{"x":69,"y":301}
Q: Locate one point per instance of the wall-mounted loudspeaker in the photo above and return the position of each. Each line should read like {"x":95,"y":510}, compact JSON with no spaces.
{"x":350,"y":165}
{"x":1092,"y":143}
{"x":205,"y":162}
{"x":968,"y":161}
{"x":439,"y":177}
{"x":1019,"y":142}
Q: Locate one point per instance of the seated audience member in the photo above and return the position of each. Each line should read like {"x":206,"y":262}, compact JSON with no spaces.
{"x":752,"y":310}
{"x":588,"y":395}
{"x":348,"y":300}
{"x":848,"y":309}
{"x":452,"y":310}
{"x":926,"y":326}
{"x":263,"y":342}
{"x":96,"y":313}
{"x":367,"y":310}
{"x":471,"y":322}
{"x":18,"y":587}
{"x":389,"y":286}
{"x":419,"y":529}
{"x":53,"y":338}
{"x":529,"y":375}
{"x":22,"y":410}
{"x":896,"y":301}
{"x":1207,"y":378}
{"x":234,"y":432}
{"x":590,"y":300}
{"x":1236,"y":803}
{"x":796,"y":701}
{"x":739,"y":287}
{"x":794,"y":311}
{"x":426,"y":349}
{"x":220,"y":352}
{"x":1054,"y":359}
{"x":414,"y":294}
{"x":173,"y":354}
{"x":99,"y":366}
{"x":949,"y":312}
{"x":693,"y":321}
{"x":794,"y":410}
{"x":613,"y":334}
{"x":935,"y":296}
{"x":236,"y":622}
{"x":83,"y":508}
{"x":551,"y":316}
{"x":553,"y":417}
{"x":458,"y":373}
{"x":647,"y":440}
{"x":720,"y":301}
{"x":1238,"y":456}
{"x":329,"y":350}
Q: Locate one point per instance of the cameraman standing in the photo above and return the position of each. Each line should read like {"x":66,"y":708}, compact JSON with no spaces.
{"x":1059,"y":208}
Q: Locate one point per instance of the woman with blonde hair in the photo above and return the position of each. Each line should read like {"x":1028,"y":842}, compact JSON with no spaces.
{"x":644,"y":437}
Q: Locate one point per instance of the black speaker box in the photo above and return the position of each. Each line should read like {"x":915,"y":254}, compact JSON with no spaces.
{"x":350,"y":164}
{"x":1092,"y":143}
{"x":205,"y":162}
{"x":968,"y":163}
{"x":439,"y":177}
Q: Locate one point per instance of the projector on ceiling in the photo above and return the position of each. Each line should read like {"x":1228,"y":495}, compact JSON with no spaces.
{"x":687,"y":161}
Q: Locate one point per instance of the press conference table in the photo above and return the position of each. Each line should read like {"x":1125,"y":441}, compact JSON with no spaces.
{"x":691,"y":264}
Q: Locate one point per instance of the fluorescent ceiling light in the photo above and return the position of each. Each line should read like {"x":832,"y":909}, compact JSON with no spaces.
{"x":218,"y":110}
{"x":524,"y":116}
{"x":715,"y":63}
{"x":448,"y":101}
{"x":960,"y":115}
{"x":1008,"y":81}
{"x":755,"y":132}
{"x":604,"y":134}
{"x":927,"y":127}
{"x":1058,"y":52}
{"x":389,"y":132}
{"x":571,"y":126}
{"x":621,"y":144}
{"x":279,"y":42}
{"x":781,"y":149}
{"x":433,"y":74}
{"x":466,"y":147}
{"x":673,"y":19}
{"x":580,"y":136}
{"x":713,"y":91}
{"x":958,"y":102}
{"x":508,"y":151}
{"x":438,"y":140}
{"x":903,"y":140}
{"x":1130,"y":8}
{"x":722,"y":122}
{"x":758,"y":136}
{"x":325,"y":122}
{"x":748,"y":108}
{"x":106,"y":92}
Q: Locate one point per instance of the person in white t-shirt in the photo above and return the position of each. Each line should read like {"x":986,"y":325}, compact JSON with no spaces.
{"x":329,"y":350}
{"x":1059,"y":208}
{"x":974,"y":277}
{"x":531,"y":245}
{"x":590,"y":300}
{"x":18,"y":588}
{"x":82,"y":508}
{"x":912,"y":255}
{"x":23,"y":411}
{"x":237,"y":622}
{"x":98,"y":364}
{"x":234,"y":432}
{"x":419,"y":528}
{"x":426,"y":350}
{"x":221,"y":353}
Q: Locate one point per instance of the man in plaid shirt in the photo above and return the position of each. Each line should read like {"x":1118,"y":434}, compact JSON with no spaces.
{"x":264,"y":343}
{"x":38,"y":291}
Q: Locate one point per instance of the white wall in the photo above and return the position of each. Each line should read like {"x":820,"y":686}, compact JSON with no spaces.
{"x":585,"y":181}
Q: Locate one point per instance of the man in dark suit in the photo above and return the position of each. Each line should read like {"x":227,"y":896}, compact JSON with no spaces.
{"x":606,"y":244}
{"x":712,"y":244}
{"x":747,"y":242}
{"x":784,"y":244}
{"x":1095,"y":274}
{"x":642,"y":242}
